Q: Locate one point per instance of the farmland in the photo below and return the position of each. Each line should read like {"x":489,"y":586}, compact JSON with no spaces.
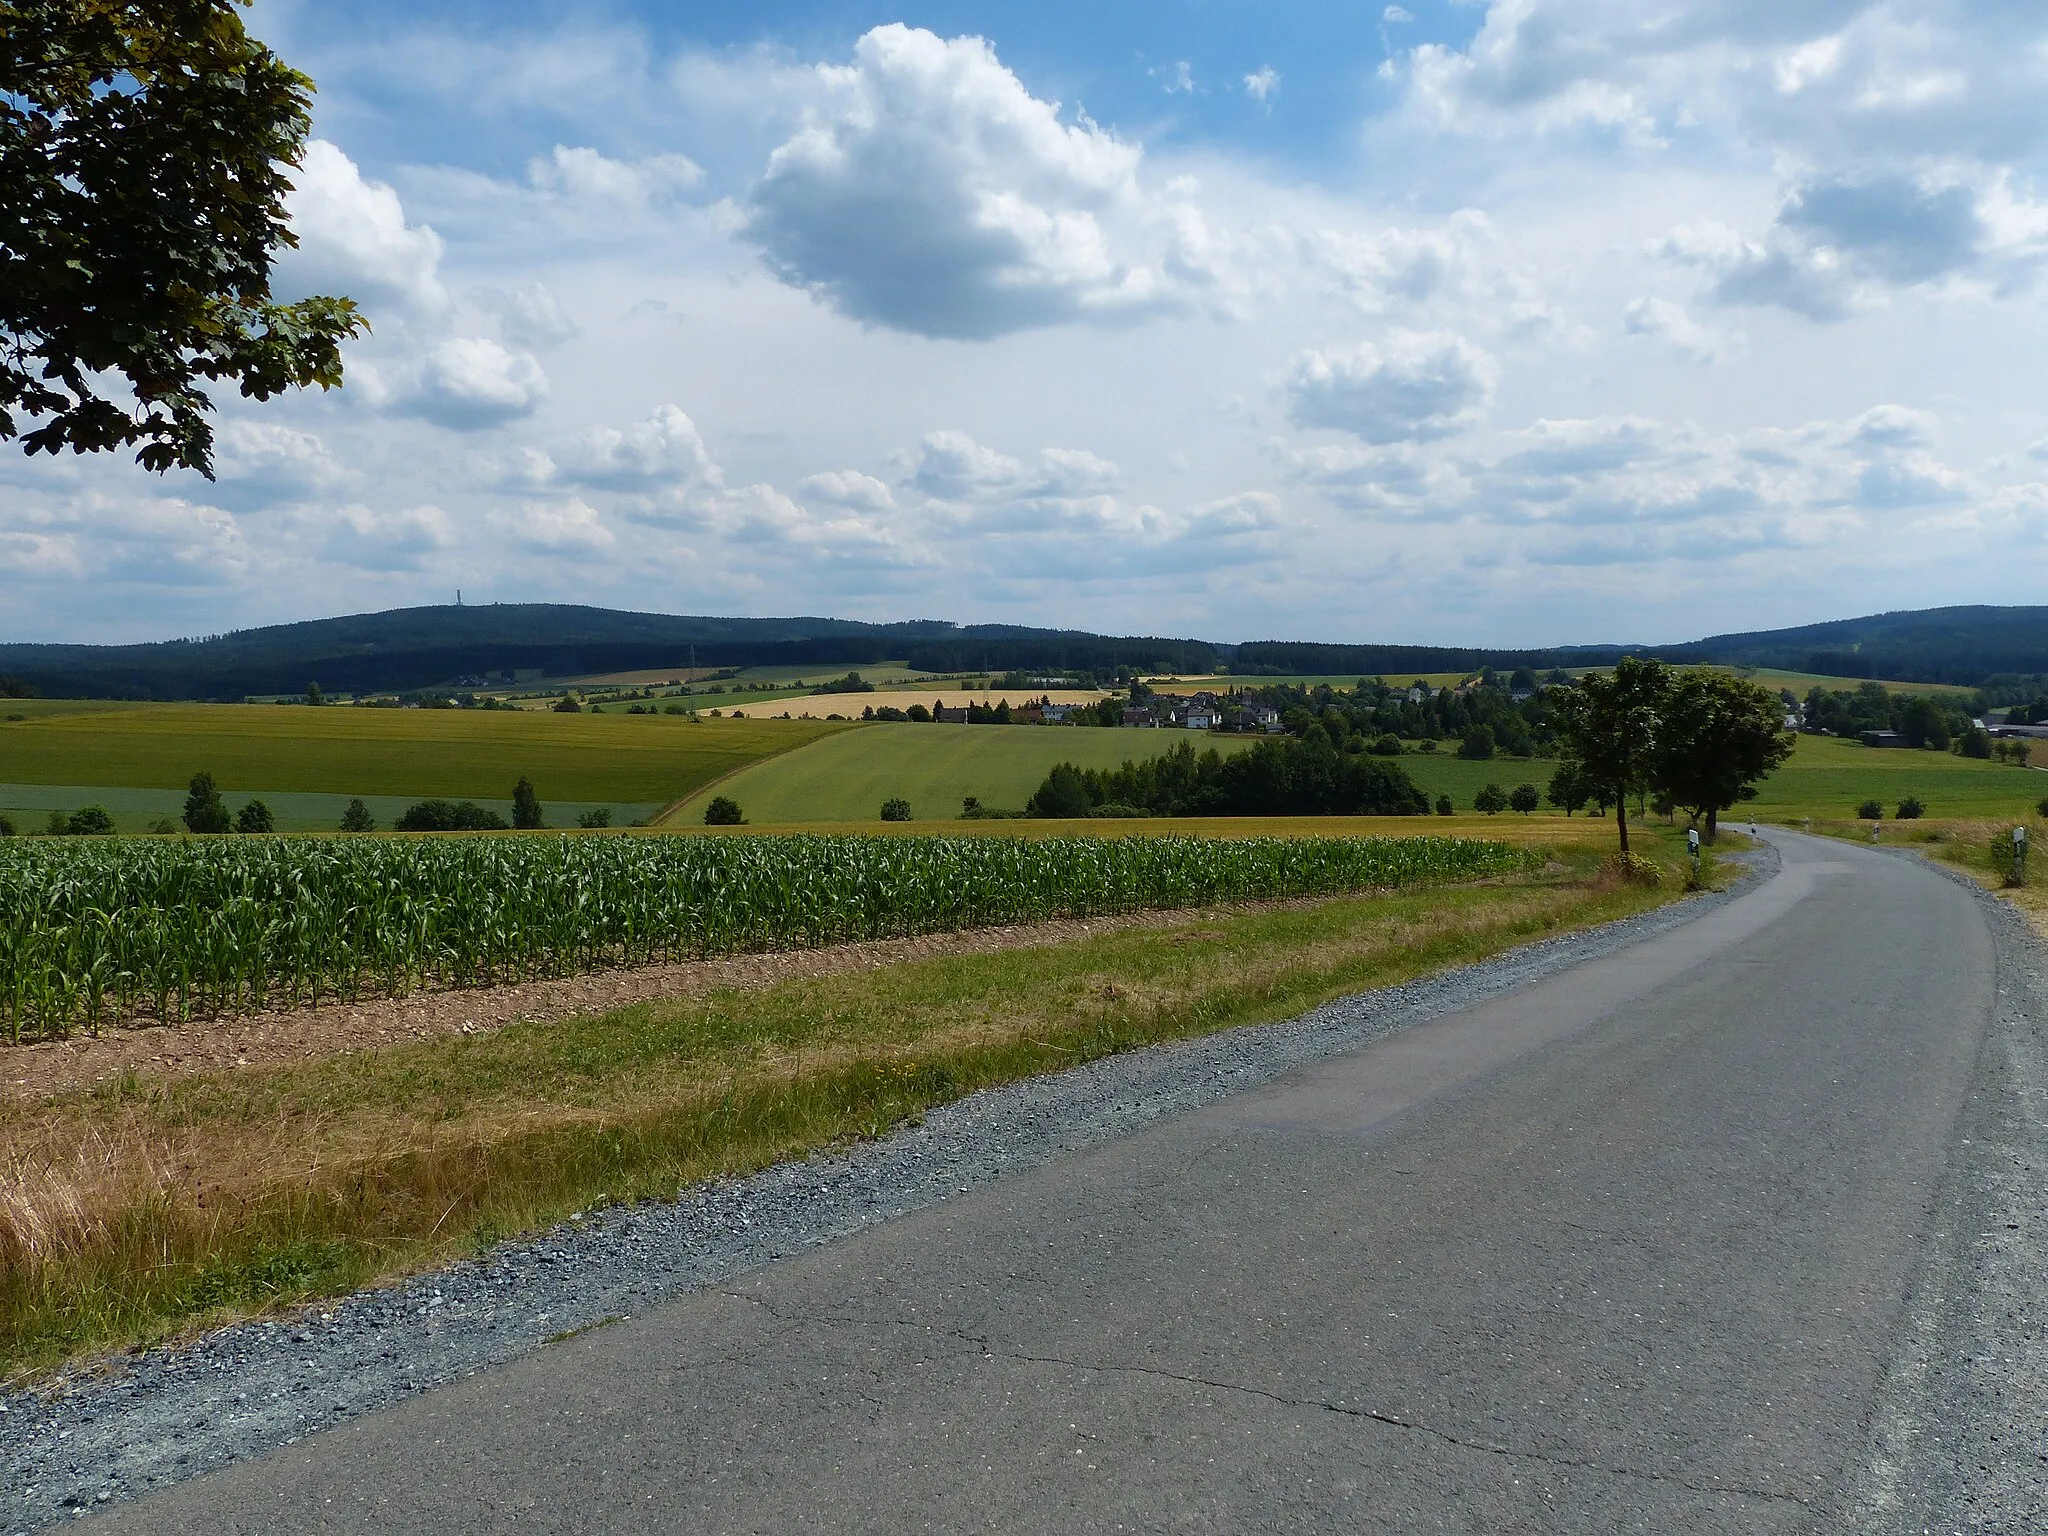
{"x":399,"y":753}
{"x":105,"y":932}
{"x":225,"y":1192}
{"x":847,"y":777}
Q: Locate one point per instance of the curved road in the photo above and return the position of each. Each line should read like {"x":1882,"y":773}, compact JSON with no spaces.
{"x":1630,"y":1249}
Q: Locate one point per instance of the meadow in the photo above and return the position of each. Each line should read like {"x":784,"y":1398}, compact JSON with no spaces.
{"x":407,"y":754}
{"x":847,"y":777}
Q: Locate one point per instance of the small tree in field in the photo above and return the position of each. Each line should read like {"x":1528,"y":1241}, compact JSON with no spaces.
{"x":1609,"y":727}
{"x":205,"y":811}
{"x":722,"y":812}
{"x":1870,"y":810}
{"x":1569,"y":790}
{"x":1523,"y":798}
{"x":526,"y":806}
{"x":255,"y":817}
{"x":1444,"y":806}
{"x":896,"y":810}
{"x":1492,"y":800}
{"x":357,"y":818}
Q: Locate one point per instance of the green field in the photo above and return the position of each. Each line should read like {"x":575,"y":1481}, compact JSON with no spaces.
{"x":848,"y":776}
{"x":608,"y":759}
{"x":1825,"y":778}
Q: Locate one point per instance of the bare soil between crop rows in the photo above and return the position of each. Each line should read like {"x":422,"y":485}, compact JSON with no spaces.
{"x":35,"y":1071}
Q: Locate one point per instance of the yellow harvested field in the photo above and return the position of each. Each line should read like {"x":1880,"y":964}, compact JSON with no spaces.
{"x":821,"y":706}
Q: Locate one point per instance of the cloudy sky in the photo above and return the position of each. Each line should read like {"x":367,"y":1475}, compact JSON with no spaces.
{"x":1527,"y":322}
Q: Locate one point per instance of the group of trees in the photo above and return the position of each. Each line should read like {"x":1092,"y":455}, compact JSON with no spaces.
{"x":1699,"y":740}
{"x":207,"y":813}
{"x":1485,"y":718}
{"x":1305,"y":776}
{"x":1936,"y":721}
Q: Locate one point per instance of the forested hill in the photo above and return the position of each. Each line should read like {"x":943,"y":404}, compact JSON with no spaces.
{"x":409,"y":648}
{"x":1965,"y":646}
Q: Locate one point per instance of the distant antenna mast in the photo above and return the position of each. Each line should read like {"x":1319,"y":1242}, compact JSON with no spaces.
{"x":458,"y":597}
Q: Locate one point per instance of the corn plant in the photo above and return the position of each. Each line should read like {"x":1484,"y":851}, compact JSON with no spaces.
{"x":93,"y":932}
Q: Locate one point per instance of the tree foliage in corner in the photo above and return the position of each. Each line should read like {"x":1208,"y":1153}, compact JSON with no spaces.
{"x":144,"y":146}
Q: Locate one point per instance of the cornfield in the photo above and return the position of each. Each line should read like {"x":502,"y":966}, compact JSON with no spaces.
{"x":99,"y":932}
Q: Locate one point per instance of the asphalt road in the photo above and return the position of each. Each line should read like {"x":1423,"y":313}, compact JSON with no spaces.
{"x":1629,"y":1249}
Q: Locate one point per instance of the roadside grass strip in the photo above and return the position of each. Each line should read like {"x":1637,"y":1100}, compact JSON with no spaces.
{"x":96,"y":932}
{"x":145,"y":1207}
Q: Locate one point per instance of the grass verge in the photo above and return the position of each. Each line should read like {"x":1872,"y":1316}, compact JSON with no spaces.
{"x":145,"y":1208}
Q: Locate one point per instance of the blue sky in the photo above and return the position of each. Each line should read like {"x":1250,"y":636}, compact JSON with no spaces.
{"x":1529,"y":321}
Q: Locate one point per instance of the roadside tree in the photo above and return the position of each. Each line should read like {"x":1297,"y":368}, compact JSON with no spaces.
{"x":1719,"y":736}
{"x":1609,"y":724}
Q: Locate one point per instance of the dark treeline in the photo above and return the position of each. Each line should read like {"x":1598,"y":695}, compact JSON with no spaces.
{"x":416,"y":648}
{"x":1293,"y":776}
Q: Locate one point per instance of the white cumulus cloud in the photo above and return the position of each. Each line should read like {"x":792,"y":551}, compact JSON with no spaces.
{"x":1422,"y":385}
{"x":471,"y":382}
{"x":933,"y":193}
{"x":354,"y":240}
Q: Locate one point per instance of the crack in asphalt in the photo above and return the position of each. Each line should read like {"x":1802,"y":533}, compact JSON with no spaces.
{"x":988,"y":1350}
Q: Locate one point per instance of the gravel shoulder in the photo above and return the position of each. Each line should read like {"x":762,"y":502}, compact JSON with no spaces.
{"x":1959,"y":1441}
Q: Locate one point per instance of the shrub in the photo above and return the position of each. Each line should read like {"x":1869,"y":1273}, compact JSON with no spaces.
{"x":1118,"y":809}
{"x":1388,"y":745}
{"x":2011,"y":872}
{"x":1870,"y":810}
{"x":1477,"y":745}
{"x":594,"y":819}
{"x":1910,"y":809}
{"x":357,"y":818}
{"x":1444,"y":806}
{"x":1492,"y":800}
{"x":2041,"y":807}
{"x":90,"y":821}
{"x":444,"y":816}
{"x":568,"y":707}
{"x":1523,"y":798}
{"x":722,"y":812}
{"x":163,"y":826}
{"x":6,"y":827}
{"x":919,"y":714}
{"x":895,"y":809}
{"x":255,"y":817}
{"x":1634,"y":869}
